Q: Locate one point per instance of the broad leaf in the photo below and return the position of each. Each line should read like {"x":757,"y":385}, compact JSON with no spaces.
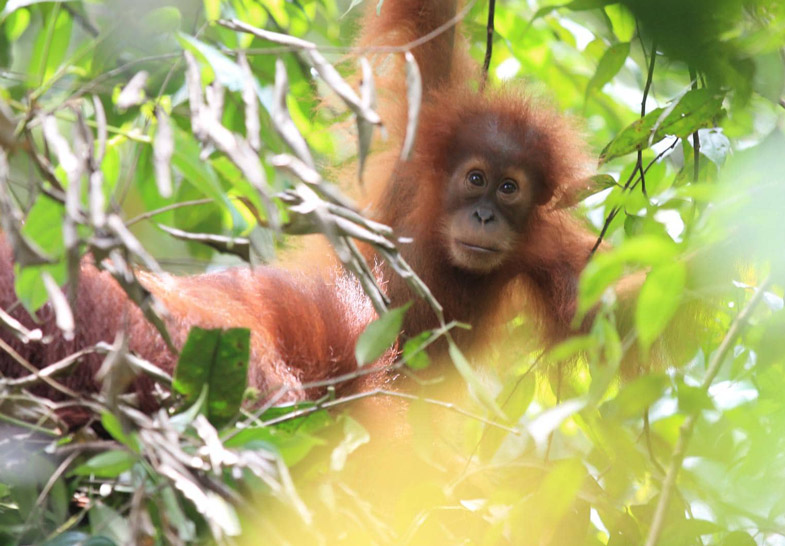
{"x":218,"y":360}
{"x":379,"y":335}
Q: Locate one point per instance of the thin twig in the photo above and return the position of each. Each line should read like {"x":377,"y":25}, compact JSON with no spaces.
{"x":488,"y":43}
{"x":382,"y":392}
{"x":150,"y":213}
{"x":687,"y":427}
{"x":502,"y":405}
{"x":50,"y":371}
{"x":649,"y":77}
{"x":629,"y":185}
{"x":97,"y":445}
{"x":397,"y":366}
{"x":358,"y":50}
{"x":646,"y":88}
{"x":82,"y":20}
{"x":33,"y":370}
{"x":62,"y":467}
{"x":696,"y":143}
{"x":639,"y":163}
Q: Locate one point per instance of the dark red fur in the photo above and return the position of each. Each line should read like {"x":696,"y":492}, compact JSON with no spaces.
{"x":305,"y":325}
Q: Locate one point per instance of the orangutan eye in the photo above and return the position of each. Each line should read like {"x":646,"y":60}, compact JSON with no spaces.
{"x":509,"y":187}
{"x":476,"y":178}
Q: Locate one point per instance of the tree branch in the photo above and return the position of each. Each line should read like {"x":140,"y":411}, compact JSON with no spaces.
{"x":687,"y":428}
{"x":488,"y":44}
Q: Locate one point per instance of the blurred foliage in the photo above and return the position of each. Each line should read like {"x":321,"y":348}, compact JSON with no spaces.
{"x":691,"y":190}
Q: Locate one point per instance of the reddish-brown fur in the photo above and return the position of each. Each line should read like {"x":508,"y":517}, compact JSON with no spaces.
{"x":542,"y":278}
{"x":305,"y":325}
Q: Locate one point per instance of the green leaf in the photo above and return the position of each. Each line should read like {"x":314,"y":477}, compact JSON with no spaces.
{"x":194,"y":169}
{"x":634,"y":398}
{"x":696,"y":109}
{"x":212,"y":9}
{"x":605,"y":269}
{"x":693,"y":399}
{"x":226,"y":71}
{"x":292,"y":445}
{"x":113,"y":426}
{"x":605,"y":370}
{"x":16,"y":24}
{"x":688,"y":531}
{"x":5,"y":47}
{"x":177,"y":517}
{"x":622,"y":20}
{"x":472,"y":381}
{"x":108,"y":464}
{"x":514,"y":399}
{"x":561,"y":486}
{"x":738,"y":538}
{"x":658,"y":300}
{"x":29,"y":284}
{"x":51,"y":46}
{"x":379,"y":335}
{"x":106,"y":522}
{"x":355,"y":436}
{"x":414,"y":355}
{"x":44,"y":225}
{"x":570,"y":348}
{"x":218,"y":360}
{"x":609,"y":65}
{"x":13,"y":5}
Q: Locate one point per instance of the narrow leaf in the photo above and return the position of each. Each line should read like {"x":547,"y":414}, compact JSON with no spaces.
{"x":108,"y":464}
{"x":473,"y":381}
{"x":609,"y":65}
{"x":414,"y":99}
{"x":379,"y":335}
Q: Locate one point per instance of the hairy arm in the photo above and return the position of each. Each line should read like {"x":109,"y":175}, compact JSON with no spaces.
{"x":441,"y":53}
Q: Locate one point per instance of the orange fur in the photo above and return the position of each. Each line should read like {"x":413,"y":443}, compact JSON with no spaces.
{"x":305,"y":323}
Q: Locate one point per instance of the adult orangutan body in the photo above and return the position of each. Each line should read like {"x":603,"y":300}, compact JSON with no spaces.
{"x":481,"y":198}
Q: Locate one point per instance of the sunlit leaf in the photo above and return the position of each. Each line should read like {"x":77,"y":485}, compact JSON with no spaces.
{"x":293,"y":446}
{"x":609,"y":66}
{"x":472,"y":380}
{"x":658,"y":301}
{"x":693,"y":399}
{"x":355,"y":436}
{"x":633,"y":399}
{"x":379,"y":335}
{"x":696,"y":109}
{"x":624,"y":25}
{"x":414,"y":354}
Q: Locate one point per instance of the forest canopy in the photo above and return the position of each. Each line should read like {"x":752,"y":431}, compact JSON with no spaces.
{"x":105,"y":152}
